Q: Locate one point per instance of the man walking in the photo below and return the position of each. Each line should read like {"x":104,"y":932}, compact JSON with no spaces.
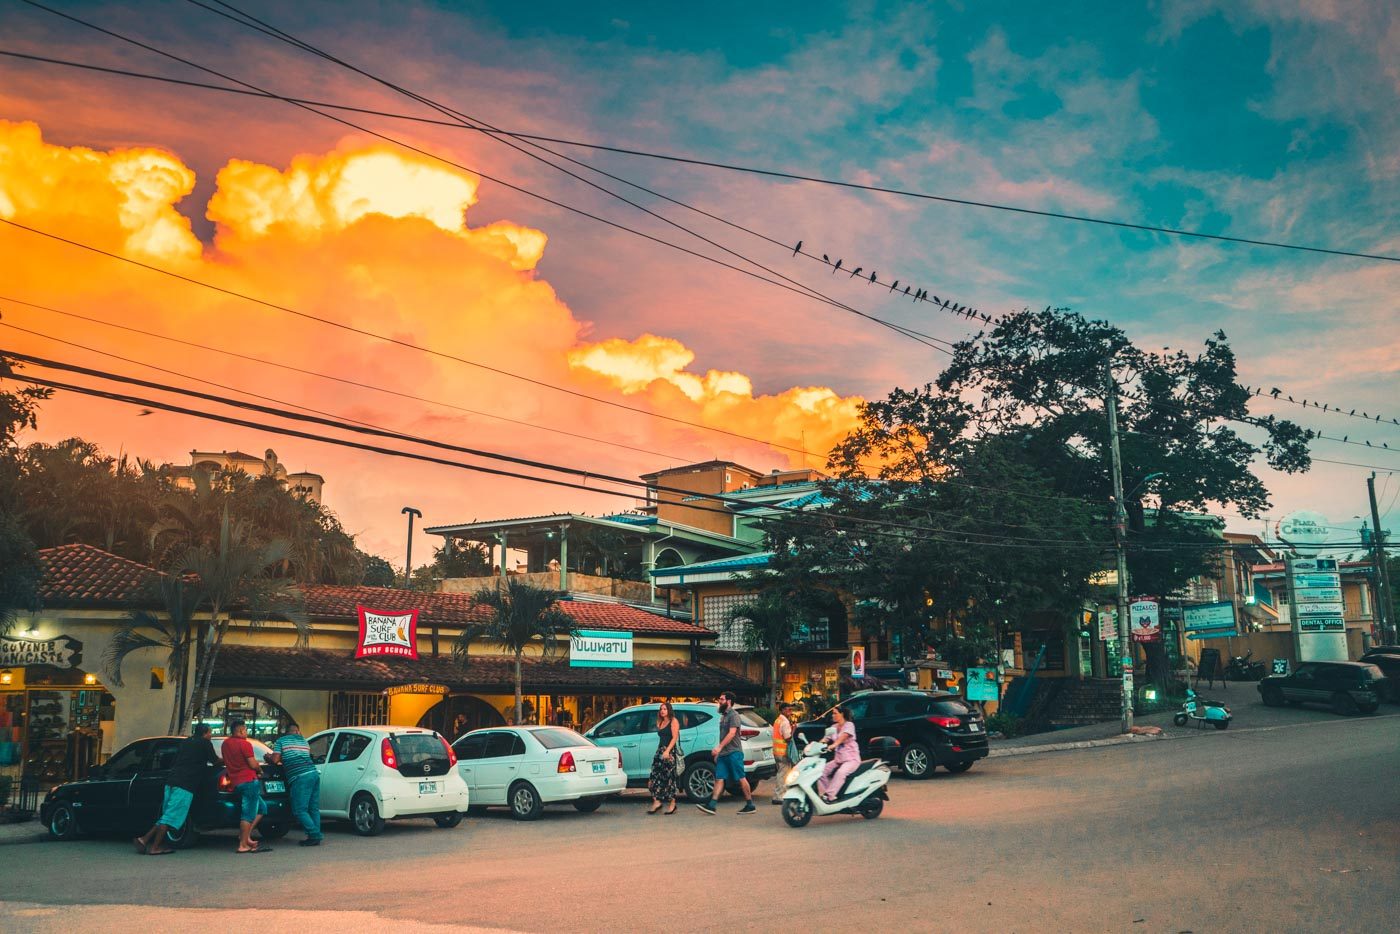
{"x":242,"y":767}
{"x":303,"y":782}
{"x":729,"y":757}
{"x":783,"y":745}
{"x":193,"y":759}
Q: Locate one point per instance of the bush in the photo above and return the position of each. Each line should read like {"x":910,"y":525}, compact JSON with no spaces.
{"x":1006,"y":724}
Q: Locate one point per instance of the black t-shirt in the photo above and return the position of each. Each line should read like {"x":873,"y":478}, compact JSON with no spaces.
{"x":194,"y":756}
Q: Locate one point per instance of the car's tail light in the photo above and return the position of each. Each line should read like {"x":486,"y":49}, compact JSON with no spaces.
{"x":948,"y":723}
{"x":451,"y":754}
{"x":224,"y":783}
{"x":386,"y":753}
{"x":619,"y":758}
{"x":566,"y":762}
{"x":747,"y":734}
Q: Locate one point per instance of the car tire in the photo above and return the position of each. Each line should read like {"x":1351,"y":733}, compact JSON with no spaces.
{"x":958,"y":767}
{"x":588,"y":805}
{"x":1371,"y":708}
{"x":1343,"y":705}
{"x":182,"y":838}
{"x":524,"y":801}
{"x":1272,"y":697}
{"x":364,"y":815}
{"x":273,"y":831}
{"x":698,"y":782}
{"x":63,"y":823}
{"x":797,"y":812}
{"x":916,"y":762}
{"x":447,"y":821}
{"x":871,"y":807}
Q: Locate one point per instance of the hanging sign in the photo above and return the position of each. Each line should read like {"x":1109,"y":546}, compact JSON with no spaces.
{"x":1144,"y":617}
{"x":1108,"y":626}
{"x":982,"y":684}
{"x":58,"y":652}
{"x":1218,"y":619}
{"x":857,"y":663}
{"x":387,"y":633}
{"x":589,"y":648}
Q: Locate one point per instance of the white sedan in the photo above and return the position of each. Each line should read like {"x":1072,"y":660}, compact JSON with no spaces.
{"x":526,"y":767}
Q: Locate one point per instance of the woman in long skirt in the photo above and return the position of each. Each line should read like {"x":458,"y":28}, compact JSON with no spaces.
{"x":662,"y":783}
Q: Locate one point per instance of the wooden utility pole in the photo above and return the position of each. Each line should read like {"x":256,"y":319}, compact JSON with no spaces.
{"x":1120,"y":529}
{"x":1385,"y":609}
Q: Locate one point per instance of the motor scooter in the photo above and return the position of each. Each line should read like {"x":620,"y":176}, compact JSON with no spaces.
{"x":864,"y":792}
{"x":1202,"y":711}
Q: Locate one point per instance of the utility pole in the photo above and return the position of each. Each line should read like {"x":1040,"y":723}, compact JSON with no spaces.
{"x":408,"y":557}
{"x":1384,"y":608}
{"x":1120,"y":529}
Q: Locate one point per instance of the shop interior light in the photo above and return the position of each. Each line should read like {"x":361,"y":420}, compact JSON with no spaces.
{"x":1149,"y":694}
{"x":6,"y":676}
{"x":89,"y":679}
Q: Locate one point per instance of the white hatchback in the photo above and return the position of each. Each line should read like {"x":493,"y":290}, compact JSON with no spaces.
{"x":370,"y":774}
{"x":526,"y":767}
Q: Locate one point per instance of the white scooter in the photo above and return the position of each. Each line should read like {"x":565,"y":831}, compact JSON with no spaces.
{"x":863,"y":794}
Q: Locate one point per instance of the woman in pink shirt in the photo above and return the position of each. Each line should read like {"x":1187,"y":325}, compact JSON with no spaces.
{"x":846,"y":758}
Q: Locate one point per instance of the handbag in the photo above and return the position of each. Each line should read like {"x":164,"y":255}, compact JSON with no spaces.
{"x":678,"y":758}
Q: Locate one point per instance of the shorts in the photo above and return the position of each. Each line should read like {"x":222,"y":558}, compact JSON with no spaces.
{"x":250,"y":794}
{"x":729,"y":767}
{"x":176,"y":807}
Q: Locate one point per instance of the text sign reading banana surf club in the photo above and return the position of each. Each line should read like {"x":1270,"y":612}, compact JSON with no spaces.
{"x":387,"y":633}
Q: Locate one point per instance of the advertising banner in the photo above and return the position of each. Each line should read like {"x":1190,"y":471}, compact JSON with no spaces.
{"x":590,"y":648}
{"x":1108,"y":626}
{"x":1144,"y":617}
{"x":58,"y":652}
{"x":387,"y":633}
{"x":857,"y":663}
{"x":982,"y":684}
{"x":1215,"y":618}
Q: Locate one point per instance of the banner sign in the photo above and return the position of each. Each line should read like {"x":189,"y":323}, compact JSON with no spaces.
{"x":387,"y":633}
{"x":58,"y":652}
{"x":1216,"y":618}
{"x":1108,"y":626}
{"x":1145,"y":621}
{"x":589,"y":648}
{"x":982,"y":684}
{"x":857,"y":663}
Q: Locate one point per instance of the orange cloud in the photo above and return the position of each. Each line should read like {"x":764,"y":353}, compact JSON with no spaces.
{"x":377,"y":239}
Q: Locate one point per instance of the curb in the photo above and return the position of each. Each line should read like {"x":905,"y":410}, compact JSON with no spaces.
{"x":1081,"y":744}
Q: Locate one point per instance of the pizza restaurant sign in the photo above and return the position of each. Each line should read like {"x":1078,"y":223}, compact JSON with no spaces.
{"x":58,"y":652}
{"x":382,"y":633}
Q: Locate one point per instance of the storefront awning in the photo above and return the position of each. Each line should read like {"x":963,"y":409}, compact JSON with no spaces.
{"x":246,"y":666}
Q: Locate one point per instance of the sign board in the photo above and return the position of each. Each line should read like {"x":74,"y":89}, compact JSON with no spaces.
{"x":945,"y":674}
{"x":1322,"y":624}
{"x":1145,"y":619}
{"x":1303,"y":529}
{"x":857,"y":663}
{"x":1279,"y":667}
{"x":1209,"y":665}
{"x":1319,"y":614}
{"x":387,"y":633}
{"x":590,"y":648}
{"x":982,"y":684}
{"x":58,"y":652}
{"x":1108,"y":626}
{"x":1008,"y":658}
{"x":1209,"y":616}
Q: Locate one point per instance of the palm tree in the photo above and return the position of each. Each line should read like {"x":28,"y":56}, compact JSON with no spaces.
{"x":174,"y":630}
{"x":233,"y":573}
{"x":520,"y":614}
{"x":770,"y":622}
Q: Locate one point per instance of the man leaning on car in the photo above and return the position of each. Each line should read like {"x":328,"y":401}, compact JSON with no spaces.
{"x":242,"y":767}
{"x":192,"y":762}
{"x":292,"y":752}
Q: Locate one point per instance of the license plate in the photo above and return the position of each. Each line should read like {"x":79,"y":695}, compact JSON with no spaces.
{"x":427,"y":788}
{"x":275,"y":788}
{"x":975,"y":727}
{"x":599,"y":767}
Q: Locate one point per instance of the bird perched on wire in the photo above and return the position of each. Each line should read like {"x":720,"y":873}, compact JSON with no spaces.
{"x":797,"y":249}
{"x":872,"y":277}
{"x":837,"y":266}
{"x":856,"y":271}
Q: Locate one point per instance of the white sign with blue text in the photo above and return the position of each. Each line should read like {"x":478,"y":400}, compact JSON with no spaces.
{"x":589,"y":648}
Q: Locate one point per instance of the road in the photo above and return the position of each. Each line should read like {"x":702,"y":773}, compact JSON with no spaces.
{"x":1290,"y":829}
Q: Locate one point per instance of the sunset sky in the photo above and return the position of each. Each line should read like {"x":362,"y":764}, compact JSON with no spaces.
{"x":1265,"y":120}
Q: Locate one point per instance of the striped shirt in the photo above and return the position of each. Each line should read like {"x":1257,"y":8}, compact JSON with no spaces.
{"x":295,"y":753}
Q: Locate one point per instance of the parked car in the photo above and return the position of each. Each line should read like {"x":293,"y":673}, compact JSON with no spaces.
{"x":526,"y":767}
{"x":1347,"y":687}
{"x":633,"y":731}
{"x":1388,"y":661}
{"x":125,"y":794}
{"x":932,"y":728}
{"x":370,"y":774}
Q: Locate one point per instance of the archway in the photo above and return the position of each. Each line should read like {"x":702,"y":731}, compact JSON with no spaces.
{"x":266,"y":719}
{"x":460,"y":713}
{"x":669,"y":558}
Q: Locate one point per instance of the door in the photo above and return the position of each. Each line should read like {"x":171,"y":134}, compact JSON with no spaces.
{"x":623,"y":731}
{"x":103,"y":802}
{"x":695,"y":725}
{"x":343,"y":771}
{"x":148,"y":788}
{"x":499,"y":766}
{"x":1303,"y":686}
{"x":470,"y":750}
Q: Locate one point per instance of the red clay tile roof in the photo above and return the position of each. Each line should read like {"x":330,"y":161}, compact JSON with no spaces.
{"x":87,"y":576}
{"x":257,"y":666}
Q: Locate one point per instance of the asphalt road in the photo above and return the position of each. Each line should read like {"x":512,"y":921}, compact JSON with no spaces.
{"x":1289,"y":829}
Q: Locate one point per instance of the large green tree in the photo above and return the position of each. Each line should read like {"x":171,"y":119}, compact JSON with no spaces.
{"x":770,"y":622}
{"x":20,"y":573}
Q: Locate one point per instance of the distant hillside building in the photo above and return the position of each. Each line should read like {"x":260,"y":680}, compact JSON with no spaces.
{"x":211,"y":462}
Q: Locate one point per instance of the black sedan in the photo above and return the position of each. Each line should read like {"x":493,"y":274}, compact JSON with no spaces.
{"x":1347,"y":687}
{"x":126,"y":794}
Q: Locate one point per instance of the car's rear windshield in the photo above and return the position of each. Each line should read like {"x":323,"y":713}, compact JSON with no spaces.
{"x":419,"y":748}
{"x":750,"y":718}
{"x":260,"y":749}
{"x":558,"y":738}
{"x":948,"y":708}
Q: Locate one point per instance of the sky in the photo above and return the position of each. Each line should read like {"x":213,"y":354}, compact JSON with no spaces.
{"x":1274,"y":121}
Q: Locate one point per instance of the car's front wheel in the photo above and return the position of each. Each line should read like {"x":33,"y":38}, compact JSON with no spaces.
{"x":699,"y":782}
{"x":1342,"y":704}
{"x":1272,"y":697}
{"x":63,"y":823}
{"x":447,"y":821}
{"x":588,"y":805}
{"x":364,"y":815}
{"x":182,"y":838}
{"x":917,"y":761}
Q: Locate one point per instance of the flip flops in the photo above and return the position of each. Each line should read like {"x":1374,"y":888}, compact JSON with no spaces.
{"x":139,"y":844}
{"x":257,"y":849}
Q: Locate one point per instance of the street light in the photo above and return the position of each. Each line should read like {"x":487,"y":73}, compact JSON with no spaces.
{"x":408,"y":556}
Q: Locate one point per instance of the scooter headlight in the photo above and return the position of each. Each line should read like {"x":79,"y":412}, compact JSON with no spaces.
{"x":791,"y":777}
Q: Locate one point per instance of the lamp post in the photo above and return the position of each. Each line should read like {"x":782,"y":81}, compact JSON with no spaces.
{"x":408,"y":556}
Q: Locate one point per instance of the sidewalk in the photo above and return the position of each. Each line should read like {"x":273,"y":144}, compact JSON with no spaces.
{"x":1108,"y":733}
{"x":30,"y":831}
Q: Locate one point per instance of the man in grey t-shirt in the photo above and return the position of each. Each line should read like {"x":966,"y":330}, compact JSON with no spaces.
{"x":729,"y":757}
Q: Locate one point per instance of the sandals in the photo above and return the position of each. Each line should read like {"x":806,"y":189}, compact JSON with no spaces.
{"x":257,"y":849}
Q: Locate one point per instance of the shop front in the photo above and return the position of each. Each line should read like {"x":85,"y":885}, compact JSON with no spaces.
{"x":52,"y":713}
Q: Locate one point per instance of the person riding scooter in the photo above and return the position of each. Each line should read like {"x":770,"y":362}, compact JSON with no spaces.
{"x":846,"y":754}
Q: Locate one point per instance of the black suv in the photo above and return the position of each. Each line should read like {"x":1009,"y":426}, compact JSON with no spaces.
{"x":932,"y":728}
{"x":1347,"y":687}
{"x":1387,"y":659}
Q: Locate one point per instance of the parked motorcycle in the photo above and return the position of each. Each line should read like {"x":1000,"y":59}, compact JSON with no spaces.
{"x":1241,"y":668}
{"x":864,"y":792}
{"x":1202,"y":711}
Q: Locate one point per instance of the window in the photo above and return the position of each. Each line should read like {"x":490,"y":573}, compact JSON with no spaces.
{"x":349,"y":746}
{"x":419,"y":749}
{"x":354,"y":709}
{"x":503,"y":744}
{"x":906,"y":706}
{"x":859,"y":707}
{"x":949,"y":708}
{"x":558,"y":738}
{"x":749,"y":718}
{"x":714,"y":616}
{"x":470,"y":747}
{"x":127,"y":762}
{"x":690,"y":719}
{"x":319,"y":747}
{"x":627,"y":724}
{"x":164,"y":756}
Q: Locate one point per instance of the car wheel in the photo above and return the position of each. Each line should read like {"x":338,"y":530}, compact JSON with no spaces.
{"x":476,"y":810}
{"x":364,"y":816}
{"x":525,"y":801}
{"x":447,"y":821}
{"x":1272,"y":697}
{"x":797,"y":812}
{"x":1371,"y":708}
{"x":182,"y":838}
{"x":958,"y":767}
{"x":1343,"y":705}
{"x":273,"y":831}
{"x":1180,"y":719}
{"x":872,"y":807}
{"x":699,"y":782}
{"x":917,"y":761}
{"x":63,"y":823}
{"x":588,"y":805}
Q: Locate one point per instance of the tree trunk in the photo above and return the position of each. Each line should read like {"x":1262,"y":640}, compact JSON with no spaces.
{"x":518,"y":712}
{"x":773,"y":678}
{"x":204,"y":670}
